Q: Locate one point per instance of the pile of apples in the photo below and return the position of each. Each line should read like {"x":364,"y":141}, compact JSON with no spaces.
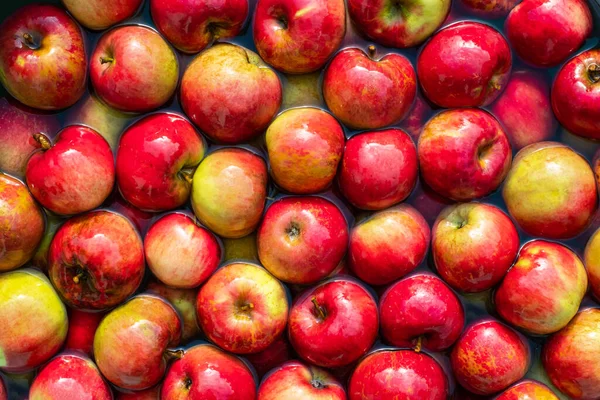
{"x":300,"y":199}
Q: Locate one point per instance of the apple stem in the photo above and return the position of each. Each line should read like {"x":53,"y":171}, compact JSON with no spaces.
{"x":318,"y":308}
{"x":187,"y":175}
{"x":594,"y":73}
{"x":77,"y":278}
{"x":174,"y":354}
{"x":104,"y":60}
{"x":28,"y":39}
{"x":419,"y":344}
{"x":42,"y":140}
{"x":372,"y":51}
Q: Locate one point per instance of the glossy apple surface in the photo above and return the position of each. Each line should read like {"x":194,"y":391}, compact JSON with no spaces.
{"x":101,"y":14}
{"x":489,"y":8}
{"x":368,"y":91}
{"x":148,"y":394}
{"x":273,"y":356}
{"x":591,"y":259}
{"x":466,"y":64}
{"x":305,"y":146}
{"x":82,"y":328}
{"x":417,"y":116}
{"x":141,"y":219}
{"x":528,"y":390}
{"x":184,"y":301}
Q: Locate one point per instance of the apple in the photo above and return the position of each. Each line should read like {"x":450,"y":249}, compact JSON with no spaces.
{"x":116,"y":73}
{"x":296,"y":380}
{"x":417,"y":116}
{"x":528,"y":389}
{"x":141,"y":219}
{"x":69,"y":376}
{"x":571,"y":357}
{"x":43,"y":61}
{"x":421,"y":311}
{"x":21,"y":224}
{"x":591,"y":259}
{"x":243,"y":248}
{"x":388,"y":245}
{"x":305,"y":146}
{"x":149,"y":394}
{"x":74,"y":174}
{"x":550,"y":191}
{"x":489,"y":357}
{"x":130,"y":345}
{"x":473,"y":246}
{"x":184,"y":301}
{"x":334,"y":323}
{"x":98,"y":15}
{"x":191,"y":26}
{"x":40,"y":258}
{"x":34,"y":321}
{"x":398,"y":374}
{"x":576,"y":94}
{"x":273,"y":356}
{"x":302,"y":90}
{"x":302,"y":239}
{"x":82,"y":327}
{"x":156,"y":160}
{"x":489,"y":9}
{"x":398,"y":23}
{"x":466,"y":64}
{"x":464,"y":153}
{"x":368,"y":91}
{"x":379,"y":169}
{"x":3,"y":394}
{"x":206,"y":372}
{"x":96,"y":260}
{"x":560,"y":28}
{"x":428,"y":202}
{"x":230,"y":93}
{"x":298,"y":36}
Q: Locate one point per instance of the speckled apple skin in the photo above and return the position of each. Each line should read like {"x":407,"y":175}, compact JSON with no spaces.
{"x":101,"y":14}
{"x":82,"y":328}
{"x":184,"y":301}
{"x":528,"y":390}
{"x":489,"y":9}
{"x":273,"y":356}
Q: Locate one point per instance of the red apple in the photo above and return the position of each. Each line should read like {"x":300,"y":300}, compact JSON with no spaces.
{"x":96,"y":260}
{"x":398,"y":374}
{"x":379,"y":169}
{"x":43,"y":62}
{"x":74,"y":174}
{"x":576,"y":94}
{"x":295,"y":380}
{"x":276,"y":354}
{"x":416,"y":118}
{"x":466,"y":64}
{"x":82,"y":327}
{"x":368,"y":91}
{"x":302,"y":239}
{"x":464,"y":154}
{"x":184,"y":301}
{"x":242,"y":308}
{"x":3,"y":394}
{"x":571,"y":357}
{"x":428,"y":202}
{"x":156,"y":160}
{"x":489,"y":9}
{"x":398,"y":23}
{"x":101,"y":14}
{"x":205,"y":372}
{"x":141,"y":219}
{"x":592,"y":263}
{"x":473,"y":246}
{"x":421,"y":311}
{"x":191,"y":26}
{"x":230,"y":93}
{"x":388,"y":245}
{"x":70,"y":376}
{"x":528,"y":390}
{"x":305,"y":146}
{"x":334,"y":324}
{"x":298,"y":36}
{"x":149,"y":394}
{"x":21,"y":224}
{"x":117,"y":75}
{"x":559,"y":28}
{"x":489,"y":357}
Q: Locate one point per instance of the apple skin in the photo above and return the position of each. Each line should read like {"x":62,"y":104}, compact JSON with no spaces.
{"x":243,"y":248}
{"x":230,"y":93}
{"x":273,"y":356}
{"x":191,"y":26}
{"x":116,"y":74}
{"x":550,"y":191}
{"x":591,"y":260}
{"x":141,"y":219}
{"x":560,"y":28}
{"x":453,"y":74}
{"x":3,"y":394}
{"x":402,"y":24}
{"x":473,"y":246}
{"x":489,"y":9}
{"x":302,"y":239}
{"x":576,"y":95}
{"x":27,"y":296}
{"x":421,"y":309}
{"x":184,"y":301}
{"x":334,"y":323}
{"x":205,"y":372}
{"x":155,"y":161}
{"x":296,"y":380}
{"x":21,"y":224}
{"x":305,"y":146}
{"x":526,"y":390}
{"x":98,"y":15}
{"x":149,"y":394}
{"x":130,"y":345}
{"x":378,"y":169}
{"x":43,"y":62}
{"x":542,"y":291}
{"x":69,"y":376}
{"x":74,"y":174}
{"x":368,"y":92}
{"x":571,"y":357}
{"x":298,"y":36}
{"x":489,"y":357}
{"x":388,"y":245}
{"x":229,"y":191}
{"x":398,"y":374}
{"x":464,"y":153}
{"x":417,"y":116}
{"x":242,"y":308}
{"x":82,"y":328}
{"x":428,"y":202}
{"x":96,"y":260}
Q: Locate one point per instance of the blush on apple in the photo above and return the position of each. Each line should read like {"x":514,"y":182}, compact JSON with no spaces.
{"x":428,"y":202}
{"x":82,"y":328}
{"x":273,"y":356}
{"x":148,"y":394}
{"x":592,"y":263}
{"x":101,"y":14}
{"x":184,"y":301}
{"x":489,"y":9}
{"x":527,"y":389}
{"x":141,"y":219}
{"x":417,"y":116}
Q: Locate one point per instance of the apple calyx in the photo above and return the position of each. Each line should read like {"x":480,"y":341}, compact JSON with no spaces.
{"x":293,"y":231}
{"x":171,"y":355}
{"x":43,"y":140}
{"x":317,"y":384}
{"x":594,"y":72}
{"x":318,"y":310}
